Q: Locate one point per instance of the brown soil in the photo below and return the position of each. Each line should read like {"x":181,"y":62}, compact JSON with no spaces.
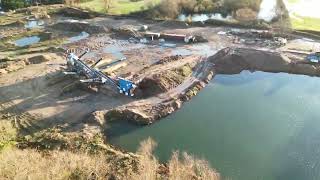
{"x":246,"y":14}
{"x":77,"y":13}
{"x":235,"y":60}
{"x":79,"y":26}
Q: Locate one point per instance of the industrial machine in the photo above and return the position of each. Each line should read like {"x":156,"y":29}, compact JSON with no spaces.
{"x":314,"y":58}
{"x":76,"y":66}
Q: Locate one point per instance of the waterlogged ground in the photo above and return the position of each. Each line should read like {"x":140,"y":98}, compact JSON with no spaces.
{"x":248,"y":126}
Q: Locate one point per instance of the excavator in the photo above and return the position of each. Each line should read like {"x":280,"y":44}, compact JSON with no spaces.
{"x":75,"y":66}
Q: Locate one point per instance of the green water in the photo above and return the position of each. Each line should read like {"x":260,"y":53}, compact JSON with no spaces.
{"x":249,"y":126}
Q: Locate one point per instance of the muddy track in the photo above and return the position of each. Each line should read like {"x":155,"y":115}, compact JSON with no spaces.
{"x":24,"y":122}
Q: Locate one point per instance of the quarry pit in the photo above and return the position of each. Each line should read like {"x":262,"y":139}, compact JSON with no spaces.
{"x":167,"y":72}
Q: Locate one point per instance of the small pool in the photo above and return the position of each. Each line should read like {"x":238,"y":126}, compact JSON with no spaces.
{"x":117,"y":48}
{"x":34,"y":24}
{"x":26,"y":41}
{"x":82,"y":35}
{"x":198,"y":49}
{"x":203,"y":17}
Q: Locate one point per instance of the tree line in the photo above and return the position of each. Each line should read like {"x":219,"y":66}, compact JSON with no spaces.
{"x":15,"y":4}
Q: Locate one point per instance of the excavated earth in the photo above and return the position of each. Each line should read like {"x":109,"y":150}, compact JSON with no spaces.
{"x":226,"y":61}
{"x":34,"y":89}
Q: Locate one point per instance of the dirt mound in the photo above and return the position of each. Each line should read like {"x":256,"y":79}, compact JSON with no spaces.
{"x":11,"y":66}
{"x":79,"y":26}
{"x":8,"y":65}
{"x":128,"y":114}
{"x":78,"y":13}
{"x":146,"y":111}
{"x":38,"y":59}
{"x":235,"y":60}
{"x":162,"y":82}
{"x":245,"y":14}
{"x":174,"y":24}
{"x":168,"y":59}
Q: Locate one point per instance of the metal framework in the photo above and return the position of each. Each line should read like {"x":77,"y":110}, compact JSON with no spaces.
{"x":76,"y":66}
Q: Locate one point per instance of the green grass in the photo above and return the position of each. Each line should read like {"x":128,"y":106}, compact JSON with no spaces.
{"x":7,"y":134}
{"x":293,"y":1}
{"x":118,"y":7}
{"x":306,"y":23}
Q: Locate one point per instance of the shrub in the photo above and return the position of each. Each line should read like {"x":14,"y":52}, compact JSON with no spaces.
{"x":32,"y":164}
{"x":13,"y":4}
{"x":233,"y":5}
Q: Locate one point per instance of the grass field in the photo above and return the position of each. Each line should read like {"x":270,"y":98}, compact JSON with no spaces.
{"x":305,"y":23}
{"x":119,"y":7}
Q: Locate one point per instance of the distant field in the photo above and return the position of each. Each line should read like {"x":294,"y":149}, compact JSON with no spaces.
{"x":119,"y":7}
{"x":305,"y":23}
{"x":304,"y":15}
{"x":124,"y":7}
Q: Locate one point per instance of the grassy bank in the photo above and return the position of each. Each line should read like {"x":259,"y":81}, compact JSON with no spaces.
{"x":55,"y":154}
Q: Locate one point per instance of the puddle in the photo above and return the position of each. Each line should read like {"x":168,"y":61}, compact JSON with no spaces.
{"x":203,"y":49}
{"x":116,"y":49}
{"x":79,"y":37}
{"x":73,"y":21}
{"x":181,"y":51}
{"x":169,"y":45}
{"x":197,"y":49}
{"x":34,"y":24}
{"x":26,"y":41}
{"x":204,"y":17}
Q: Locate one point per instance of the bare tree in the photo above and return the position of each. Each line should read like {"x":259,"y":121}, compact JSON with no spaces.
{"x":107,"y":4}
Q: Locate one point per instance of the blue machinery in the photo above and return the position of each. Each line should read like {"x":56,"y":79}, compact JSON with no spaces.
{"x":77,"y":67}
{"x":315,"y":57}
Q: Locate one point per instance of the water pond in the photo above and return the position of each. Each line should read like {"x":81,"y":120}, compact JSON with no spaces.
{"x":26,"y":41}
{"x":248,"y":126}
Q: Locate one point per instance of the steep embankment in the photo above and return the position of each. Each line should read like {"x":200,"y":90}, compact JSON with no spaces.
{"x":235,"y":60}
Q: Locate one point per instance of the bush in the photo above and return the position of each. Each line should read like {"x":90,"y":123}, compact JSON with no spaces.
{"x":186,"y":168}
{"x":16,"y":4}
{"x":32,"y":164}
{"x":233,"y":5}
{"x":13,"y":4}
{"x":172,"y":8}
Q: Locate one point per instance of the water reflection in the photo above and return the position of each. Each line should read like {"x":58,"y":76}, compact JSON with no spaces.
{"x":248,"y":126}
{"x":79,"y":37}
{"x":26,"y":41}
{"x":203,"y":17}
{"x":34,"y":24}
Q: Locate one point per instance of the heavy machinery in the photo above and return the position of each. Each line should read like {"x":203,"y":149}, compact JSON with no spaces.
{"x":314,"y":58}
{"x":75,"y":66}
